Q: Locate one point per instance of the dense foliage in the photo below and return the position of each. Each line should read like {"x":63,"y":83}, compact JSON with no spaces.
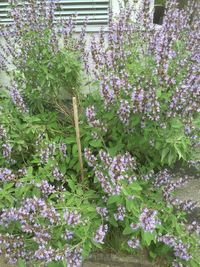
{"x":149,"y":85}
{"x":42,"y":56}
{"x":143,"y":118}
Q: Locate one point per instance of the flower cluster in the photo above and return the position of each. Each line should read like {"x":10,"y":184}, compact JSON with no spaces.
{"x":72,"y":218}
{"x":74,"y":258}
{"x":100,"y":234}
{"x":92,"y":119}
{"x":180,"y":249}
{"x":46,"y":188}
{"x":68,"y":235}
{"x":47,"y":153}
{"x":3,"y":134}
{"x":103,"y":212}
{"x":57,"y":174}
{"x":63,"y":149}
{"x":17,"y":99}
{"x":6,"y":151}
{"x":6,"y":175}
{"x":91,"y":159}
{"x":120,"y":215}
{"x":134,"y":243}
{"x":148,"y":220}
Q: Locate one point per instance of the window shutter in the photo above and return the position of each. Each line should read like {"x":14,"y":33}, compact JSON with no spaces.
{"x":95,"y":10}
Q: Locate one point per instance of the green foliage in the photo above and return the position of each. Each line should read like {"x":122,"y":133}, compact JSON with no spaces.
{"x":49,"y":78}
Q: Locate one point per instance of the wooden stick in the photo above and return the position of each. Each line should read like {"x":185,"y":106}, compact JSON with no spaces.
{"x":78,"y":141}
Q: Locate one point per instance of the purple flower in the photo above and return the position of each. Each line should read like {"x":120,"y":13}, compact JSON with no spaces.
{"x":180,"y":249}
{"x":72,"y":218}
{"x":120,"y":215}
{"x":148,"y":220}
{"x":63,"y":149}
{"x":73,"y":258}
{"x":100,"y":234}
{"x":68,"y":235}
{"x":57,"y":174}
{"x":91,"y":159}
{"x":6,"y":150}
{"x":103,"y":212}
{"x":3,"y":134}
{"x":17,"y":99}
{"x":46,"y":188}
{"x":134,"y":243}
{"x":124,"y":111}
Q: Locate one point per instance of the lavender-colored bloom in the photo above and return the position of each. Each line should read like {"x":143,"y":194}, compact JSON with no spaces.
{"x":68,"y":235}
{"x":45,"y":254}
{"x":72,"y":218}
{"x":3,"y":134}
{"x":148,"y":220}
{"x":6,"y":175}
{"x":6,"y":150}
{"x":107,"y":186}
{"x":120,"y":215}
{"x":47,"y":153}
{"x":91,"y":117}
{"x":194,"y":227}
{"x":134,"y":243}
{"x":162,"y":178}
{"x":73,"y":258}
{"x":18,"y":100}
{"x":180,"y":249}
{"x":124,"y":111}
{"x":105,"y":158}
{"x":63,"y":149}
{"x":103,"y":212}
{"x":91,"y":159}
{"x":57,"y":174}
{"x":100,"y":234}
{"x":46,"y":188}
{"x":187,"y":205}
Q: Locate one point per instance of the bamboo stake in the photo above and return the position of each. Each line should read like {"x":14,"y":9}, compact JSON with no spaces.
{"x":78,"y":141}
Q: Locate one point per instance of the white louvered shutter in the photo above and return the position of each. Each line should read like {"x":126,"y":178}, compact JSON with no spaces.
{"x":95,"y":10}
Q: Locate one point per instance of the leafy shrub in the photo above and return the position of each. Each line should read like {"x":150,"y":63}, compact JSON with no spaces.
{"x":148,"y":85}
{"x":46,"y":215}
{"x":42,"y":55}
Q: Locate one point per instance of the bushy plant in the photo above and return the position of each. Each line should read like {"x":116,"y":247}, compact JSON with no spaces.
{"x":148,"y":85}
{"x":41,"y":54}
{"x":149,"y":102}
{"x":48,"y":217}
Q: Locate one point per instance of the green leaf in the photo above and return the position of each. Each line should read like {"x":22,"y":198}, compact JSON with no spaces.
{"x":135,"y":186}
{"x":128,"y":230}
{"x":114,"y":199}
{"x":75,"y":150}
{"x":96,"y":143}
{"x":148,"y":237}
{"x":8,"y":186}
{"x":165,"y":151}
{"x":70,"y":140}
{"x":113,"y":222}
{"x":21,"y":263}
